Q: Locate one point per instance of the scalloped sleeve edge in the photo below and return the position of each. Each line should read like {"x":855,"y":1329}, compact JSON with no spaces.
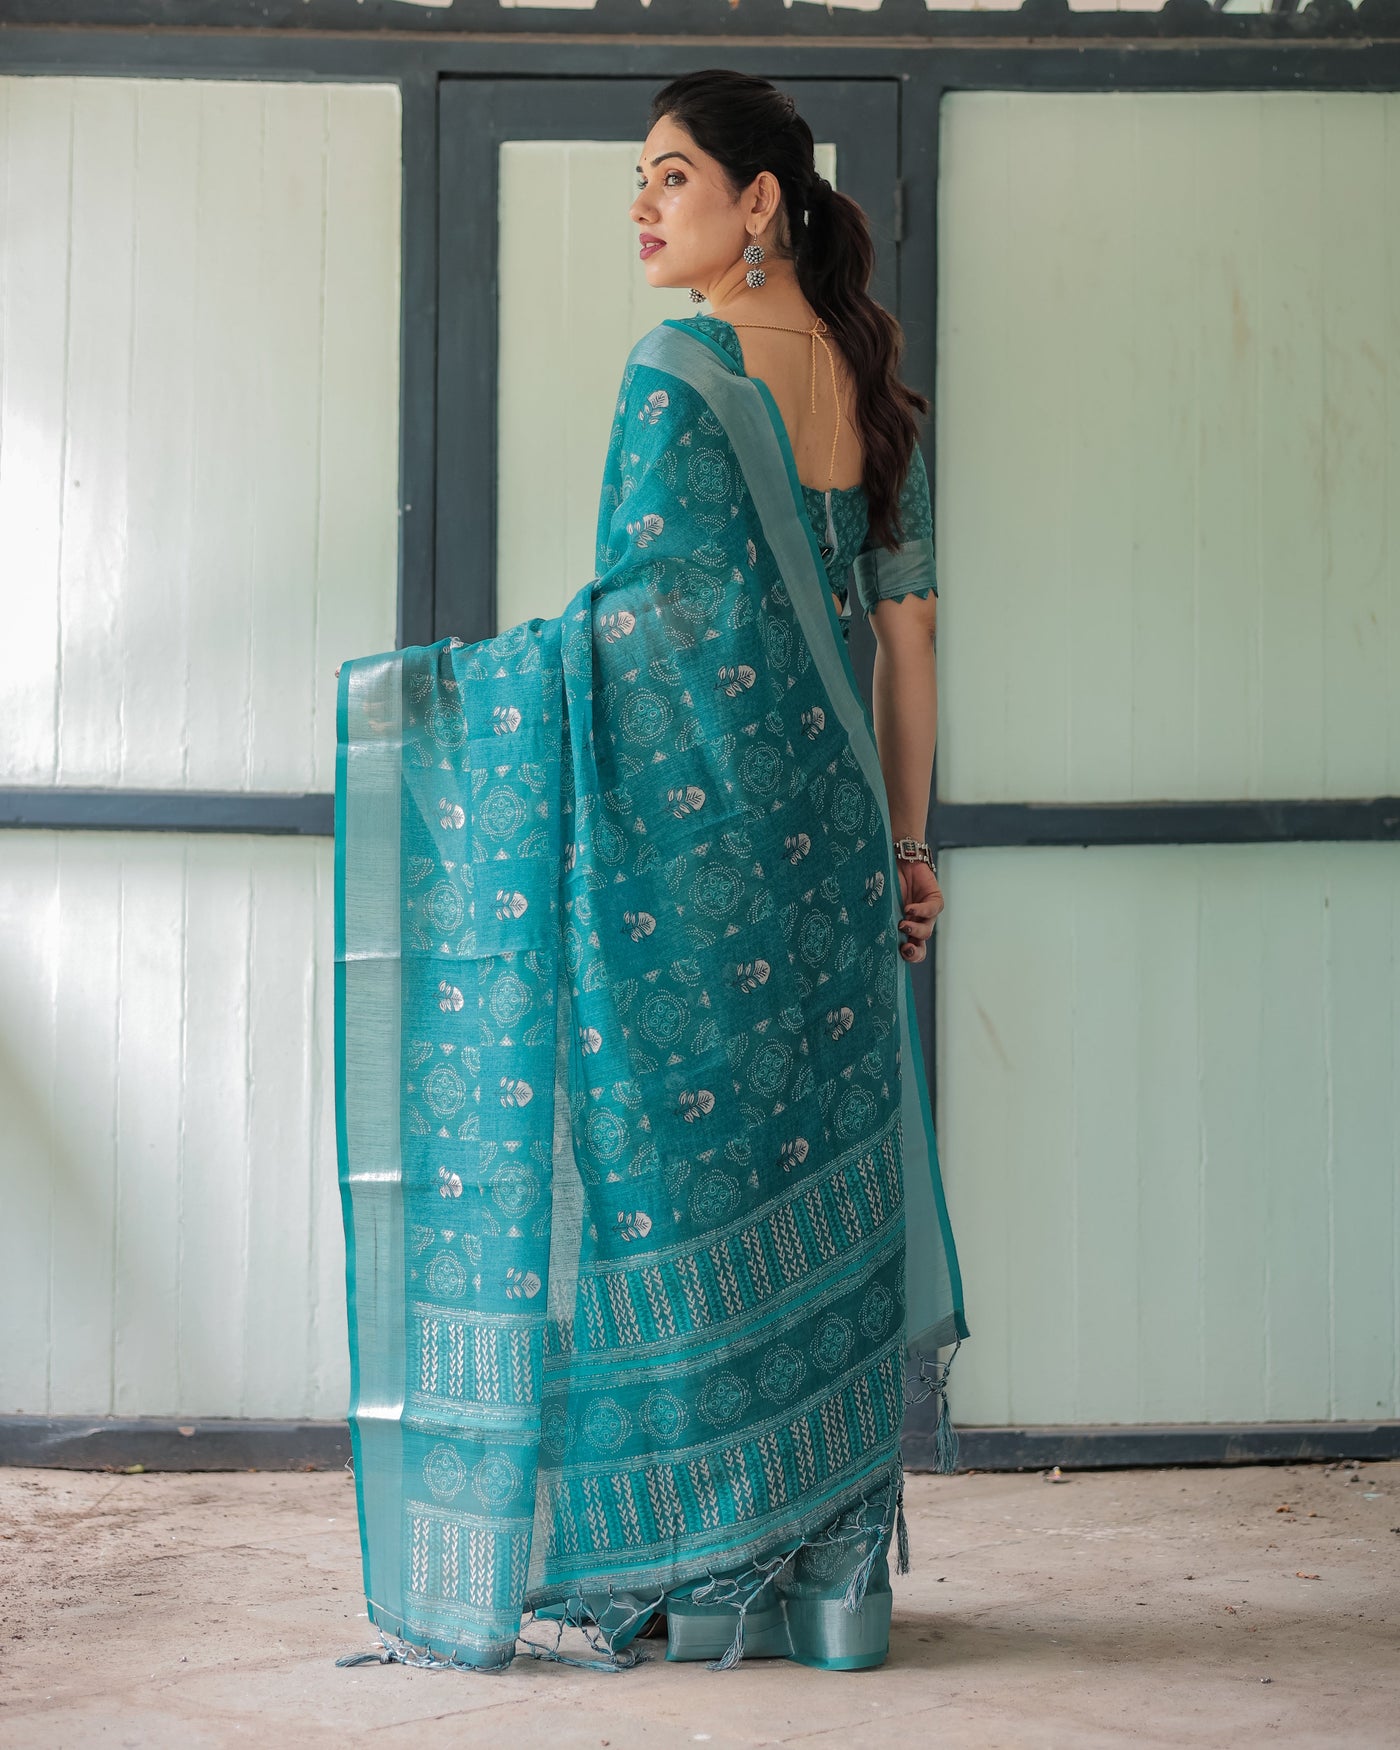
{"x":882,"y":576}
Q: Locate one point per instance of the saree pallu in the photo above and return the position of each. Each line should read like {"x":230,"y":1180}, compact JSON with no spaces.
{"x":646,"y":1237}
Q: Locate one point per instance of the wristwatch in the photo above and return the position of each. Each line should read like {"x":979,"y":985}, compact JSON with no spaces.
{"x":914,"y":851}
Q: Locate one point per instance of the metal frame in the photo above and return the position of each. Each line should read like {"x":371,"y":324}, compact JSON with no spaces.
{"x":720,"y":20}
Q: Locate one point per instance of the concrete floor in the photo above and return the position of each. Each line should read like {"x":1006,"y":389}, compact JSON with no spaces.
{"x":164,"y":1610}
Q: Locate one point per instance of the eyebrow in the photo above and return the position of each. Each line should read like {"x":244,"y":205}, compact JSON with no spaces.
{"x":661,"y":159}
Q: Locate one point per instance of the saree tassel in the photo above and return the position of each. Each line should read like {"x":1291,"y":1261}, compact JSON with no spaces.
{"x":854,"y":1595}
{"x":383,"y":1657}
{"x":860,"y":1580}
{"x":945,"y":1439}
{"x":734,"y":1652}
{"x":901,"y":1532}
{"x":945,"y":1435}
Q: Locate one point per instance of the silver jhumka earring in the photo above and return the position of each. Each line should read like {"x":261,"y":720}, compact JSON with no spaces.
{"x":755,"y":276}
{"x":696,"y":297}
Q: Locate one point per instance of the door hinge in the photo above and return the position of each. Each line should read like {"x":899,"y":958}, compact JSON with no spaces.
{"x":899,"y":211}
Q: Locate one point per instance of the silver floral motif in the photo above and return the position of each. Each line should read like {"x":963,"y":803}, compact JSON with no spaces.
{"x":514,"y":1187}
{"x":715,"y":1196}
{"x":796,"y":846}
{"x":696,"y":1105}
{"x":449,"y":997}
{"x":724,"y":1399}
{"x":444,"y":1090}
{"x":618,"y":624}
{"x":516,"y":1093}
{"x":447,"y":1277}
{"x":639,"y":923}
{"x":497,"y":1480}
{"x":876,"y":1310}
{"x":446,"y":908}
{"x":607,"y":1424}
{"x":780,"y":1372}
{"x":664,"y":1416}
{"x":444,"y":1472}
{"x":737,"y":680}
{"x":633,"y":1224}
{"x":792,"y":1154}
{"x":749,"y":974}
{"x":832,"y":1342}
{"x":685,"y":801}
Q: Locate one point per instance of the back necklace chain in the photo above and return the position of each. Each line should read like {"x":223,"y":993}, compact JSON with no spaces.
{"x":818,"y":332}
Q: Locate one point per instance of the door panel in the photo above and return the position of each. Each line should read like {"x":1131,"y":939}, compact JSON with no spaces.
{"x":541,"y":298}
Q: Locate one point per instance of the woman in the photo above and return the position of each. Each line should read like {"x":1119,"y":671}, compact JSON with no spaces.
{"x":641,"y":1192}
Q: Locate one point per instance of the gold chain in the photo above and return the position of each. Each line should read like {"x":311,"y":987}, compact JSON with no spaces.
{"x":818,"y":332}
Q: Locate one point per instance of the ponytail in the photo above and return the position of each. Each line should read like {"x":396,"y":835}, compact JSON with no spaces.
{"x":746,"y":124}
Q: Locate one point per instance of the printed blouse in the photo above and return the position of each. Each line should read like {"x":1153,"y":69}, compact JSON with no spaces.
{"x":880,"y":575}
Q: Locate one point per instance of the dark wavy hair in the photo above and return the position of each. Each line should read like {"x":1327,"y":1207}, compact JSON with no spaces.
{"x":746,"y":124}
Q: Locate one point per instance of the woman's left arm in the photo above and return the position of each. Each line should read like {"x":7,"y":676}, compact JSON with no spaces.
{"x":905,"y":700}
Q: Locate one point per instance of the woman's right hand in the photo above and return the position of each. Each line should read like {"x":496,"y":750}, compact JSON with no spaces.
{"x":922,"y":899}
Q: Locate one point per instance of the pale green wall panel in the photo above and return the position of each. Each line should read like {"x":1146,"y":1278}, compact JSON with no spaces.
{"x":1169,"y":1118}
{"x":1169,"y":339}
{"x":199,"y":344}
{"x":573,"y":302}
{"x":172,"y":1240}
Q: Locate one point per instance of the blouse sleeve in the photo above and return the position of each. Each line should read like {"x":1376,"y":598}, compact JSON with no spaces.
{"x":885,"y":575}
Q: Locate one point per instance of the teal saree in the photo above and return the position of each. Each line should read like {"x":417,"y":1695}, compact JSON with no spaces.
{"x":647,"y":1247}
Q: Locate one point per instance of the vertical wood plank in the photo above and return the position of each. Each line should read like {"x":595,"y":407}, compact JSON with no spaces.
{"x":1297,"y":1310}
{"x":97,"y":432}
{"x":36,"y":125}
{"x":328,"y":1376}
{"x":85,"y":1116}
{"x":1099,"y":505}
{"x":1361,"y":1179}
{"x":227,"y":481}
{"x":291,"y":306}
{"x":282,"y":955}
{"x":1170,"y":1256}
{"x":29,"y":930}
{"x":1228,"y":295}
{"x":1173,"y":151}
{"x":214,"y":1209}
{"x":149,"y":1074}
{"x":1359,"y":257}
{"x":156,"y":587}
{"x":357,"y":565}
{"x":1291,"y":599}
{"x":1102,"y":1028}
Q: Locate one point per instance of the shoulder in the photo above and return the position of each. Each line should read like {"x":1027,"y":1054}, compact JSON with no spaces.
{"x":673,"y":340}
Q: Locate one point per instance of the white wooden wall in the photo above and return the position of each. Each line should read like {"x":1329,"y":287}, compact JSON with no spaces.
{"x":199,"y":341}
{"x":1169,"y":555}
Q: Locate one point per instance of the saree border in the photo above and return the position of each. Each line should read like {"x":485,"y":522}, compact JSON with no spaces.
{"x":368,"y":787}
{"x":755,"y":429}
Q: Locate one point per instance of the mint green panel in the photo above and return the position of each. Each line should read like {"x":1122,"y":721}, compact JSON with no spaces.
{"x":1167,"y":1087}
{"x":1168,"y":445}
